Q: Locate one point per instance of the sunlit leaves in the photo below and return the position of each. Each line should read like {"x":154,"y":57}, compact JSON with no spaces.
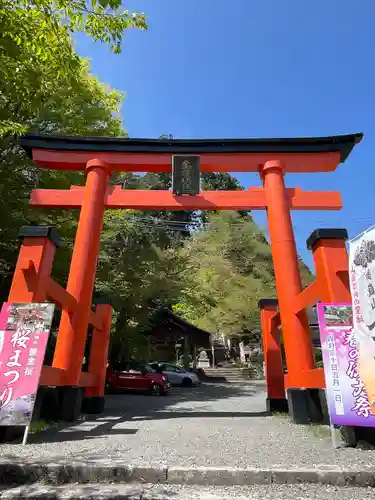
{"x":103,"y":20}
{"x":37,"y":57}
{"x":228,"y":268}
{"x":46,"y":87}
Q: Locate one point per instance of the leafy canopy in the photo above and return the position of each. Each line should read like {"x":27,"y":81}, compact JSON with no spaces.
{"x":46,"y":87}
{"x":37,"y":57}
{"x":229,"y":267}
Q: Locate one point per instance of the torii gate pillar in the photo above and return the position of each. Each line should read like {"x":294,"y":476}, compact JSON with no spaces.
{"x":73,"y":327}
{"x":296,"y":333}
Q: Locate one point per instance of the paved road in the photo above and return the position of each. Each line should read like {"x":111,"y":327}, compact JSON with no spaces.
{"x":212,"y":425}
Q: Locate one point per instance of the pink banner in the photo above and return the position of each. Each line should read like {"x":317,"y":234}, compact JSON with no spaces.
{"x":24,"y":331}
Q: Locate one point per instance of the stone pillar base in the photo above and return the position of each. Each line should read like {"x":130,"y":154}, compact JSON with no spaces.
{"x":324,"y":407}
{"x":314,"y":405}
{"x":277,"y":405}
{"x":349,"y":435}
{"x":70,"y":402}
{"x":298,"y":407}
{"x":47,"y":406}
{"x":93,"y":405}
{"x":11,"y":434}
{"x":304,"y":406}
{"x":364,"y":436}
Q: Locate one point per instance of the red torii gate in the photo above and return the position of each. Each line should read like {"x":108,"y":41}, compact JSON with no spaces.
{"x":98,"y":157}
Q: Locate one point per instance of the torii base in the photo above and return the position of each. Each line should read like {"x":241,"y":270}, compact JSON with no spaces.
{"x":70,"y":402}
{"x":93,"y":405}
{"x":304,"y":406}
{"x":274,"y":405}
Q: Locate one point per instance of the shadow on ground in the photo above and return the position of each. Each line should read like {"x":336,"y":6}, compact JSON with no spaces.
{"x":71,"y":433}
{"x":127,"y":407}
{"x":206,"y":393}
{"x":135,"y":492}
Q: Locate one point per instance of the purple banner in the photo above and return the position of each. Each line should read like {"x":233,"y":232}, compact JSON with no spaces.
{"x":347,"y":398}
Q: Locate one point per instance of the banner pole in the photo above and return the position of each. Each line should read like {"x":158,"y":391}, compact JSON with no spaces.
{"x":335,"y":442}
{"x":25,"y":435}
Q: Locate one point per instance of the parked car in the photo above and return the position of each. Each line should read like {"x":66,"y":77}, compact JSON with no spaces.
{"x":177,"y":375}
{"x":135,"y":376}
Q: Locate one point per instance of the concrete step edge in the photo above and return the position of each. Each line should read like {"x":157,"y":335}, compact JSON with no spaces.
{"x":236,"y":374}
{"x":227,"y":374}
{"x":137,"y":491}
{"x":233,"y":374}
{"x":12,"y":474}
{"x":228,"y":371}
{"x":233,"y":378}
{"x":229,"y":378}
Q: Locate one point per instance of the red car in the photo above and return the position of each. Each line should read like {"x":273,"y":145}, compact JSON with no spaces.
{"x":131,"y":375}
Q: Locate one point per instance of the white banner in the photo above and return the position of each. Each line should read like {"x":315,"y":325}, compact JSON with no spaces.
{"x":362,"y":286}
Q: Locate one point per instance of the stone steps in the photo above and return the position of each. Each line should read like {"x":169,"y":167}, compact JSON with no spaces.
{"x":234,"y":375}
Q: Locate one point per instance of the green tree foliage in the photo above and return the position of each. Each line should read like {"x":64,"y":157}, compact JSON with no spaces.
{"x":306,"y":275}
{"x":37,"y":56}
{"x":144,"y":263}
{"x":46,"y":87}
{"x":229,"y":267}
{"x":220,"y":182}
{"x":139,"y":269}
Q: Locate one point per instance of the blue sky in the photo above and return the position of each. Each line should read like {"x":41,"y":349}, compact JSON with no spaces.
{"x":265,"y":68}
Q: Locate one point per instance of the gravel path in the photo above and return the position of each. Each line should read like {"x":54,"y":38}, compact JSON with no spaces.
{"x":156,"y":492}
{"x":211,"y":425}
